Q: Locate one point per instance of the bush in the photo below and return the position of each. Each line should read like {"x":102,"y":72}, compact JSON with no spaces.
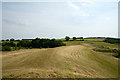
{"x":24,"y":43}
{"x":40,"y":43}
{"x":74,"y":38}
{"x":46,"y":43}
{"x":6,"y":48}
{"x":12,"y":44}
{"x":108,"y":50}
{"x":35,"y":43}
{"x":67,"y":38}
{"x":12,"y":39}
{"x":112,"y":40}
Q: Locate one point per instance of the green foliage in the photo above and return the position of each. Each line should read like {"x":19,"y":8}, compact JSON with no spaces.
{"x":81,"y":39}
{"x":112,"y":40}
{"x":67,"y":38}
{"x":6,"y":48}
{"x":74,"y":38}
{"x":7,"y":39}
{"x":12,"y":39}
{"x":12,"y":44}
{"x":35,"y":43}
{"x":17,"y":40}
{"x":3,"y":40}
{"x":46,"y":43}
{"x":24,"y":43}
{"x":108,"y":50}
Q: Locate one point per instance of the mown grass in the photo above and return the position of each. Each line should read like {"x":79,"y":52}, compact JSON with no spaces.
{"x":78,"y":60}
{"x":69,"y":61}
{"x":98,"y":40}
{"x":73,"y":42}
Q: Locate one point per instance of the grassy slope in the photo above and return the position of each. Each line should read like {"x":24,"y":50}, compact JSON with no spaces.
{"x":67,"y":61}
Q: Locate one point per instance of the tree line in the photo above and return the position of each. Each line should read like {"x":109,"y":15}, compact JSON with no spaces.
{"x":67,"y":38}
{"x":35,"y":43}
{"x":112,"y":40}
{"x":12,"y":44}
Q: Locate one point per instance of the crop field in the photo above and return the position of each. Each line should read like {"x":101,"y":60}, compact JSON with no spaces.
{"x":75,"y":60}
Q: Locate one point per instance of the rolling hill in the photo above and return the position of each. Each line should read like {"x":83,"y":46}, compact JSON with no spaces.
{"x":73,"y":61}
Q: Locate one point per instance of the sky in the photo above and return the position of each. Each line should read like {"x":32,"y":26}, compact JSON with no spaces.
{"x":59,"y":19}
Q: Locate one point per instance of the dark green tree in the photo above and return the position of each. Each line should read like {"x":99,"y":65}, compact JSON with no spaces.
{"x":7,"y":39}
{"x":74,"y":38}
{"x":12,"y":44}
{"x":6,"y":48}
{"x":67,"y":38}
{"x":12,"y":39}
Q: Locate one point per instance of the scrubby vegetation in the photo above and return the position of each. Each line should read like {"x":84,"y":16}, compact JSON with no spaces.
{"x":73,"y":61}
{"x":112,"y":40}
{"x":116,"y":51}
{"x":100,"y":44}
{"x":12,"y":44}
{"x":67,"y":38}
{"x":35,"y":43}
{"x":6,"y":48}
{"x":66,"y":62}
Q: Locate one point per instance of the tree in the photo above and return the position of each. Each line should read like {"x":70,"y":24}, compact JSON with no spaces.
{"x":18,"y":40}
{"x":24,"y":43}
{"x":12,"y":39}
{"x":6,"y":48}
{"x":7,"y":39}
{"x":3,"y":40}
{"x":81,"y":38}
{"x":74,"y":38}
{"x":12,"y":44}
{"x":67,"y":38}
{"x":36,"y":43}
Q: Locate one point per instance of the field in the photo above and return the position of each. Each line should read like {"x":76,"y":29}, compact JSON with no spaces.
{"x":76,"y":60}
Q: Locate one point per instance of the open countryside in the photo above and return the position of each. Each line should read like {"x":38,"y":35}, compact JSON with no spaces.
{"x":60,"y":39}
{"x":78,"y":59}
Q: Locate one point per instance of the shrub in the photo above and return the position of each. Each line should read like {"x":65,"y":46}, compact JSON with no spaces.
{"x":6,"y":48}
{"x":67,"y":38}
{"x":12,"y":39}
{"x":35,"y":43}
{"x":112,"y":40}
{"x":74,"y":38}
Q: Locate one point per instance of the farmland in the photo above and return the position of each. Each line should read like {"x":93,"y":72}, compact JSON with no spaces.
{"x":77,"y":59}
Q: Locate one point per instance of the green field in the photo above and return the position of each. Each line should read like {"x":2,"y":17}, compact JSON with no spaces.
{"x":76,"y":60}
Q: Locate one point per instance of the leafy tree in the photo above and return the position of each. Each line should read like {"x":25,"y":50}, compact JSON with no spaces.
{"x":12,"y":39}
{"x":67,"y":38}
{"x":35,"y":43}
{"x":7,"y":39}
{"x":74,"y":38}
{"x":24,"y":43}
{"x":17,"y":40}
{"x":12,"y":44}
{"x":3,"y":40}
{"x":81,"y":38}
{"x":6,"y":48}
{"x":112,"y":40}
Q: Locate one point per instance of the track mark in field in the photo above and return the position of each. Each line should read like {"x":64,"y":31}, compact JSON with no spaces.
{"x":70,"y":61}
{"x":71,"y":51}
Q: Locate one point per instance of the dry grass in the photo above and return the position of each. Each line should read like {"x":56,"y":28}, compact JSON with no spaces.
{"x":76,"y":61}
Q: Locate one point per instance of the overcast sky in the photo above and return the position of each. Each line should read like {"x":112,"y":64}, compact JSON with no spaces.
{"x":59,"y":19}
